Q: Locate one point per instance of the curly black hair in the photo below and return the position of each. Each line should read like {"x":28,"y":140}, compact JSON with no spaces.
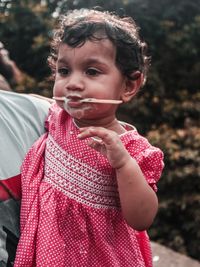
{"x":81,"y":25}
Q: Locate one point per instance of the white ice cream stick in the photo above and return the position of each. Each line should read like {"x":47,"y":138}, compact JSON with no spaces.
{"x":61,"y":98}
{"x":92,"y":100}
{"x":100,"y":101}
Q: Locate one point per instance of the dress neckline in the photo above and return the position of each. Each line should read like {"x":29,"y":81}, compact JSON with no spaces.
{"x":128,"y":127}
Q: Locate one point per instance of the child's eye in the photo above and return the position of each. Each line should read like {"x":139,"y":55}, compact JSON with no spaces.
{"x":92,"y":72}
{"x":63,"y":71}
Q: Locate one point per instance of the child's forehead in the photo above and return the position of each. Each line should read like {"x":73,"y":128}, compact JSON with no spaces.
{"x":90,"y":48}
{"x":105,"y":44}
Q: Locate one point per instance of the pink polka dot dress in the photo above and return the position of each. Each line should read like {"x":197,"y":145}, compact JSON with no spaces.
{"x":70,"y":213}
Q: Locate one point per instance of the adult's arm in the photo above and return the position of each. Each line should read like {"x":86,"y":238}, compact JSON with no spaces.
{"x":22,"y":120}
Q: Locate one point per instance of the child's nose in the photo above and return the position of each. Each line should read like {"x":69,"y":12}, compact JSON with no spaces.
{"x":74,"y":82}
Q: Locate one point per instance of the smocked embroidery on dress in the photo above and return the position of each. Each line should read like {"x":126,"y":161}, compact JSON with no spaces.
{"x":78,"y":180}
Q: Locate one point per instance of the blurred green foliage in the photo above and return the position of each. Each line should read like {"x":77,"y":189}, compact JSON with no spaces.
{"x":166,"y":110}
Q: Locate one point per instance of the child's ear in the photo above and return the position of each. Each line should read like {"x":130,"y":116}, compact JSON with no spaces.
{"x":132,"y":86}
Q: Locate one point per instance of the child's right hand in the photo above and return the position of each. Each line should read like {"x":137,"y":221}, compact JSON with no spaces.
{"x":138,"y":201}
{"x":108,"y":143}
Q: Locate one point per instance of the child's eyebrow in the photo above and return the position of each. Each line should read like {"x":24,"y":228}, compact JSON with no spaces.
{"x":86,"y":61}
{"x":97,"y":61}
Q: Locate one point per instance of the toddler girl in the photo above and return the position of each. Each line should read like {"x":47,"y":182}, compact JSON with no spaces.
{"x":88,"y":185}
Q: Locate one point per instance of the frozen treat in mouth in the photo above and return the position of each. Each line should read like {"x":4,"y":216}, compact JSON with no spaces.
{"x":88,"y":100}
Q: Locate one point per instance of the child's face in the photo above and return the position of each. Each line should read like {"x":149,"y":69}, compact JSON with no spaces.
{"x":89,"y":71}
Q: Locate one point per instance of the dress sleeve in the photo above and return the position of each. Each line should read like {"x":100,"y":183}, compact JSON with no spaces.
{"x":148,"y":157}
{"x":151,"y":163}
{"x":52,"y":109}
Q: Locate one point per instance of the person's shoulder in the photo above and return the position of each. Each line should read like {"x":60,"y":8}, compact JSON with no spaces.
{"x":23,"y":103}
{"x":150,"y":158}
{"x":132,"y":136}
{"x":22,"y":121}
{"x":135,"y":141}
{"x":14,"y":97}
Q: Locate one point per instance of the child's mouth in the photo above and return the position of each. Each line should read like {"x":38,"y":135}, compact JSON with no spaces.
{"x":73,"y":102}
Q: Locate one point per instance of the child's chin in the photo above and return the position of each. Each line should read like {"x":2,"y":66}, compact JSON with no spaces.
{"x":77,"y":114}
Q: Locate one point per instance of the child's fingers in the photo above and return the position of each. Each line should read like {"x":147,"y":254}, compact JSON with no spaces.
{"x":107,"y":136}
{"x":97,"y":145}
{"x":108,"y":143}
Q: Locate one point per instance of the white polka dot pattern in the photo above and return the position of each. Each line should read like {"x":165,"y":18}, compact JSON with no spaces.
{"x":70,"y":214}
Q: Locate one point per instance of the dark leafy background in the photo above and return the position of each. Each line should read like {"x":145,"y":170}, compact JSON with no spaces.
{"x":167,"y":109}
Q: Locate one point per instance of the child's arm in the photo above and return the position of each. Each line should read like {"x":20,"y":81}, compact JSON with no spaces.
{"x":138,"y":200}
